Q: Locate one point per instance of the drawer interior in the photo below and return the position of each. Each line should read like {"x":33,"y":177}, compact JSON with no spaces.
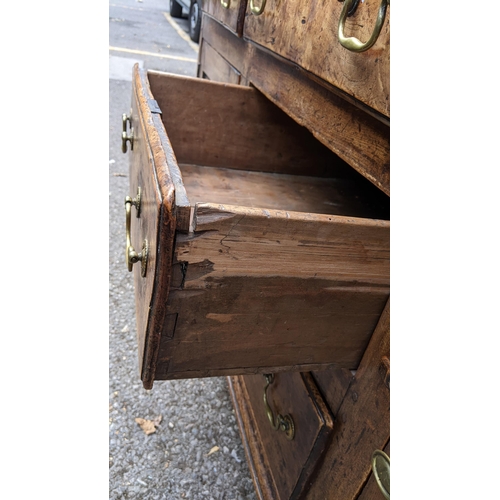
{"x":267,"y":251}
{"x":233,"y":146}
{"x":283,"y":192}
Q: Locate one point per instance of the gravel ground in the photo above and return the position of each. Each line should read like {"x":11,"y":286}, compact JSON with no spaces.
{"x":196,"y":450}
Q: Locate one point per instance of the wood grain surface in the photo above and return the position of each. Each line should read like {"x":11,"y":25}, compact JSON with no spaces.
{"x":306,"y":33}
{"x":352,"y":130}
{"x":223,"y":125}
{"x":215,"y":67}
{"x":258,"y":290}
{"x":263,"y":479}
{"x":149,"y":169}
{"x":291,"y":463}
{"x":333,"y":384}
{"x":233,"y":17}
{"x":372,"y":491}
{"x":362,"y":425}
{"x":293,"y":193}
{"x":253,"y":289}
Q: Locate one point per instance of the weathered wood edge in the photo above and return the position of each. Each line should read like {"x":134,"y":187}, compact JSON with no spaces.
{"x":323,"y":439}
{"x":371,"y":490}
{"x":222,"y":372}
{"x":331,"y":481}
{"x":259,"y":470}
{"x":166,"y":228}
{"x":240,"y":22}
{"x":257,"y":27}
{"x":207,"y":216}
{"x":182,"y":206}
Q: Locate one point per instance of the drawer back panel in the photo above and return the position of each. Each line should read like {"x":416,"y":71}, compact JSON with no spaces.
{"x":222,"y":125}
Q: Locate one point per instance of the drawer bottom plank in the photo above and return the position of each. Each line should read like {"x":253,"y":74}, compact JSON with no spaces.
{"x":300,"y":193}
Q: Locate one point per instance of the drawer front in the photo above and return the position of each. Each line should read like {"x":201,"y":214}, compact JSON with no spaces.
{"x":306,"y":33}
{"x":214,"y":67}
{"x":291,"y":459}
{"x":152,"y":223}
{"x":249,"y":275}
{"x":231,"y":13}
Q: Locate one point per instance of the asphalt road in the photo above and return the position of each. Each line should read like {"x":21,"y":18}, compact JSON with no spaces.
{"x":196,"y":450}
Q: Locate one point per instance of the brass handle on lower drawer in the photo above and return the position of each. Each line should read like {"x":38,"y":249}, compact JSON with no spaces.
{"x":125,"y":137}
{"x":352,"y":43}
{"x":131,"y":256}
{"x":284,"y":423}
{"x":257,"y":11}
{"x":225,"y":4}
{"x":381,"y":466}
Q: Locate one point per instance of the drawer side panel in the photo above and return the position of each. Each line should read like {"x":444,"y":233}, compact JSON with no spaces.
{"x":266,"y":289}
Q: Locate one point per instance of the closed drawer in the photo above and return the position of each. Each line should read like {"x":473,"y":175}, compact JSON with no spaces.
{"x":231,"y":13}
{"x":214,"y":67}
{"x":282,"y":458}
{"x":307,"y":33}
{"x":266,"y":252}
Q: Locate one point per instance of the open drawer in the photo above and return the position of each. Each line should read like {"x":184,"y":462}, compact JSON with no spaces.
{"x":254,"y":248}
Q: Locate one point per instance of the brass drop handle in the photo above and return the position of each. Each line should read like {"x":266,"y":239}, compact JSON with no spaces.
{"x":131,"y":256}
{"x":125,"y":136}
{"x":381,"y":466}
{"x":352,"y":43}
{"x":257,"y":11}
{"x":284,"y":423}
{"x":225,"y":4}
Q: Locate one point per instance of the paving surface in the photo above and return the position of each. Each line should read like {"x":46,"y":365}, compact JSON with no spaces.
{"x":196,"y":450}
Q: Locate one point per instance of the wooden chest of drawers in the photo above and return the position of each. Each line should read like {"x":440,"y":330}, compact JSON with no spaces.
{"x":265,"y":252}
{"x":291,"y":52}
{"x":258,"y":218}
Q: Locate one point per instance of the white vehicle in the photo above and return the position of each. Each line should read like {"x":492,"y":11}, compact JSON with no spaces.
{"x":193,"y":8}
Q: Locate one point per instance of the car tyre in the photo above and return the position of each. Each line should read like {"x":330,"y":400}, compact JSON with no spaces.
{"x":175,"y":9}
{"x":195,"y":21}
